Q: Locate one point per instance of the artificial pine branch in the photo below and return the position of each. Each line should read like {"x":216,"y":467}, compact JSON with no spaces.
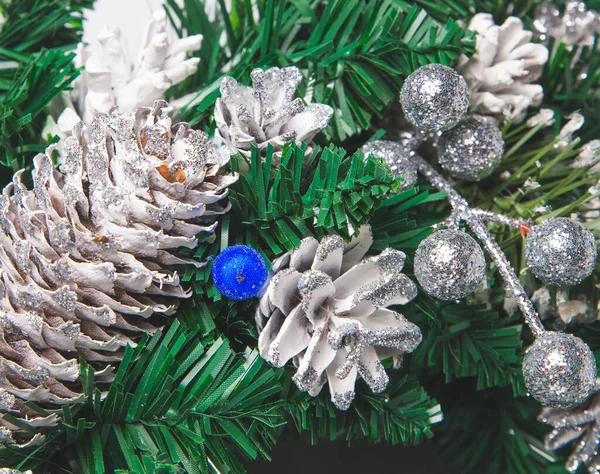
{"x":469,"y":340}
{"x":179,"y":400}
{"x":35,"y":70}
{"x":355,"y":53}
{"x":308,"y":195}
{"x":35,"y":24}
{"x":403,"y":414}
{"x":571,"y":81}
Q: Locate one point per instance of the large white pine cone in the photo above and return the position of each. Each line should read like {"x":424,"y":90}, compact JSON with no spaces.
{"x":86,"y":255}
{"x":267,"y":113}
{"x":502,"y":70}
{"x":111,"y":80}
{"x":326,"y":309}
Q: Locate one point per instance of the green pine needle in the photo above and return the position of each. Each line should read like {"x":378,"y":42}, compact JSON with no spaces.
{"x":403,"y":414}
{"x":355,"y":53}
{"x":34,"y":70}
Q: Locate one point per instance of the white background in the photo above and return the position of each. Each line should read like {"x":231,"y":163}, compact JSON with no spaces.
{"x":131,"y":16}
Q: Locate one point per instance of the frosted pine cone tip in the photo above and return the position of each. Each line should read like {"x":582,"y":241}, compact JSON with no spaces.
{"x":267,"y":113}
{"x":326,"y":309}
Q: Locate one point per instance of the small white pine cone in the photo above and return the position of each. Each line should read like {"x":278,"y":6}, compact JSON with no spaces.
{"x":327,"y":310}
{"x":267,"y":113}
{"x":501,"y":72}
{"x":86,"y":255}
{"x":110,"y":80}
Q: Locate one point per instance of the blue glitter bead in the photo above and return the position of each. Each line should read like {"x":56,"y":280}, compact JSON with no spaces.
{"x":239,"y":272}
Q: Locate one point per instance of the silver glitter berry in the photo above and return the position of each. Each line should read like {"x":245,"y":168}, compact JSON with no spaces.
{"x":449,"y":264}
{"x":472,"y":149}
{"x":399,"y":158}
{"x":434,"y":97}
{"x":561,"y":252}
{"x":559,"y":370}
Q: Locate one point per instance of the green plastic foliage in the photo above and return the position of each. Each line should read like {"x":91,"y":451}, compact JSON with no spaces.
{"x":403,"y":414}
{"x":272,"y":210}
{"x":469,"y":340}
{"x":31,"y":77}
{"x":177,"y":402}
{"x":35,"y":24}
{"x":354,"y":54}
{"x":23,"y":100}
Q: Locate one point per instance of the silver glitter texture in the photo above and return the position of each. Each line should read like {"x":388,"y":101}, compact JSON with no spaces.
{"x":399,"y":158}
{"x":434,"y":97}
{"x":326,"y":308}
{"x":449,"y":264}
{"x":7,"y":400}
{"x":65,"y":298}
{"x":561,"y":252}
{"x":267,"y":113}
{"x":559,"y":370}
{"x":580,"y":426}
{"x":344,"y":400}
{"x":472,"y":149}
{"x":81,"y":278}
{"x":576,"y":26}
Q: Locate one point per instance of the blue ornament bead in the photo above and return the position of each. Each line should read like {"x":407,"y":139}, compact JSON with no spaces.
{"x":239,"y":272}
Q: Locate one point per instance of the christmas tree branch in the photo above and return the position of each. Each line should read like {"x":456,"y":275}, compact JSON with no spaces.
{"x":182,"y":400}
{"x":355,"y":53}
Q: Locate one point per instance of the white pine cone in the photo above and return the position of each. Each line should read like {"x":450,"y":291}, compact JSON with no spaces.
{"x":326,"y":309}
{"x":86,"y":255}
{"x":110,"y":80}
{"x":502,"y":70}
{"x":267,"y":113}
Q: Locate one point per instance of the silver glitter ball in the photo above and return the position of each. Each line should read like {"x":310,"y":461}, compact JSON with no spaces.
{"x":559,"y":370}
{"x":472,"y":149}
{"x":434,"y":97}
{"x":561,"y":252}
{"x":398,"y":156}
{"x":449,"y":264}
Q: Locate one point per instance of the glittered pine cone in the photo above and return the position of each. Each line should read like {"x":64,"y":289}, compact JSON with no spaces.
{"x":86,"y":256}
{"x":267,"y":113}
{"x":501,"y":74}
{"x":326,"y":309}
